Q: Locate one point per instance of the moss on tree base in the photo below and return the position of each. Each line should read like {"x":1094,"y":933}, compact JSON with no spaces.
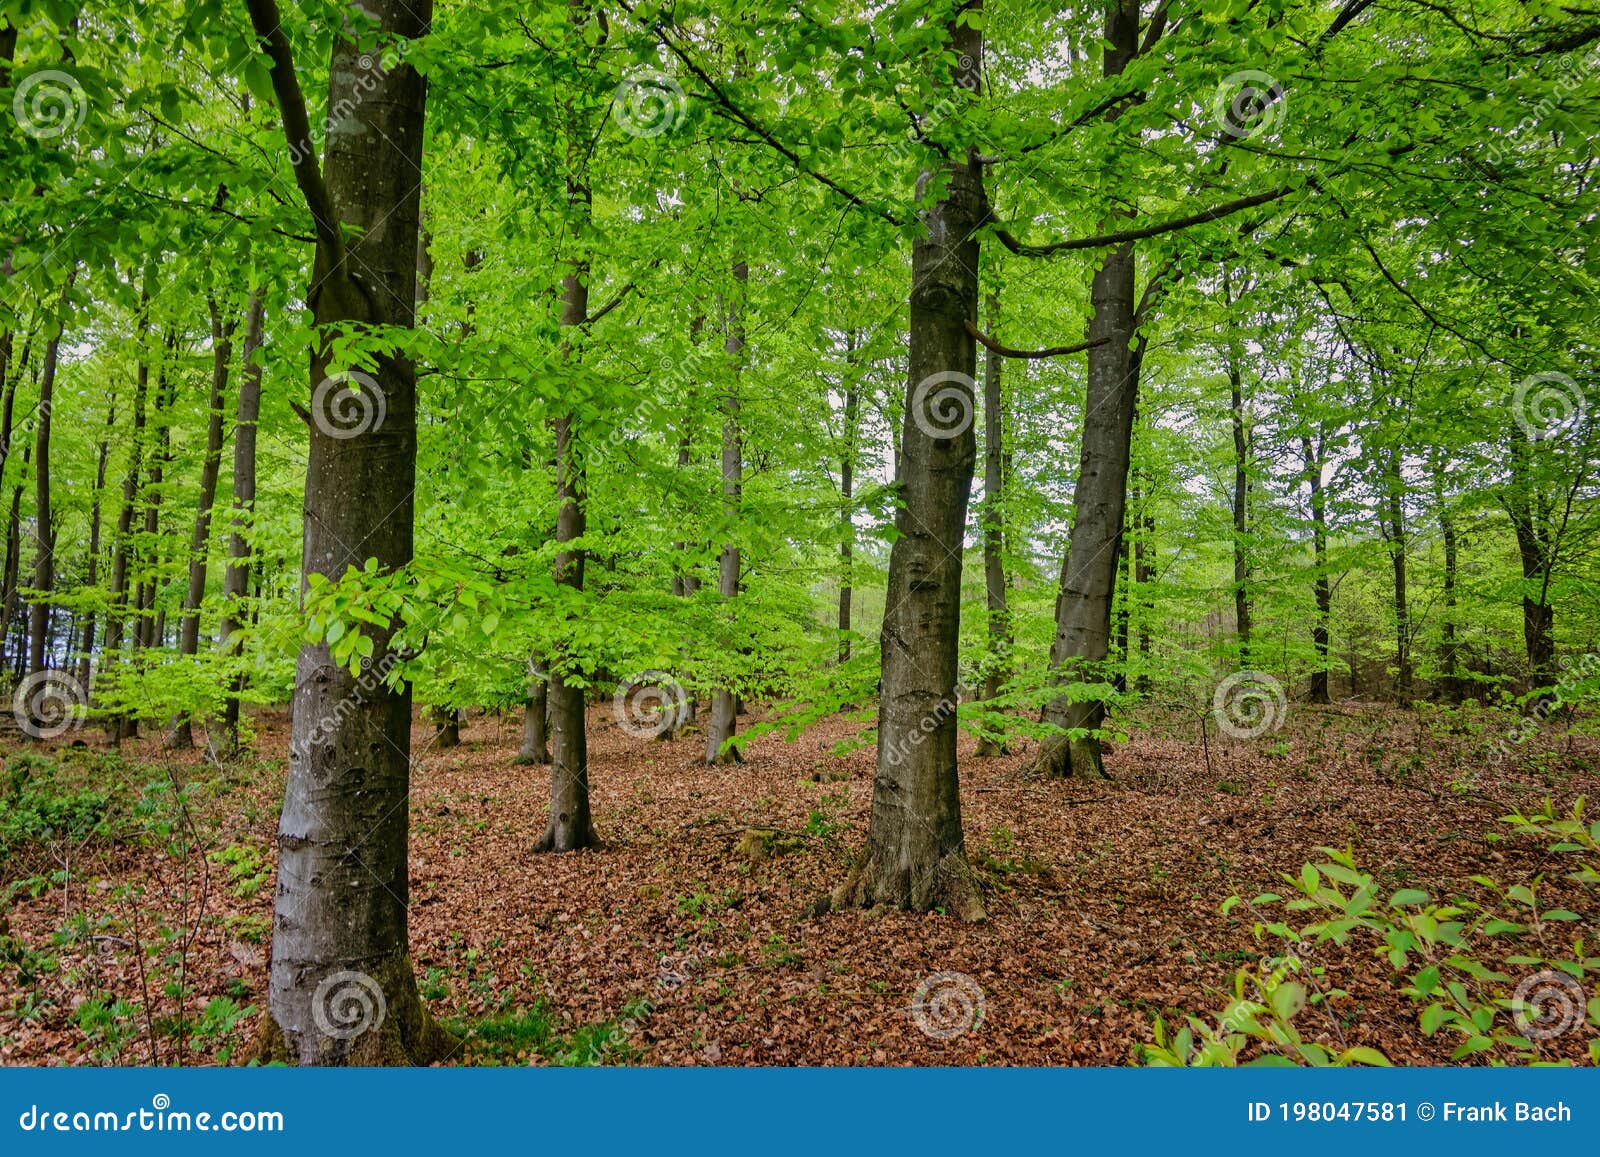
{"x":407,"y":1036}
{"x":951,"y":886}
{"x":1069,"y":759}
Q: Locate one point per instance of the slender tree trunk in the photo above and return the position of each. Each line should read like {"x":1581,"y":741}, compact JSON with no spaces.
{"x":1144,"y":573}
{"x":1089,"y":571}
{"x":535,"y":738}
{"x":342,"y":989}
{"x":13,"y":373}
{"x":1241,"y":476}
{"x":86,"y":641}
{"x":724,"y":701}
{"x":1534,"y":551}
{"x":571,"y":825}
{"x":181,"y":735}
{"x":44,"y":561}
{"x":685,"y":584}
{"x":915,"y":856}
{"x":847,"y":469}
{"x":996,"y":667}
{"x":119,"y":727}
{"x":446,"y":728}
{"x":147,"y":626}
{"x":1322,"y":585}
{"x":13,"y":574}
{"x":1448,"y":666}
{"x":236,"y":579}
{"x":1397,"y":535}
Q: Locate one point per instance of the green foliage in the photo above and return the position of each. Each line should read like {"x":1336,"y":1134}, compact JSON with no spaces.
{"x":1448,"y":957}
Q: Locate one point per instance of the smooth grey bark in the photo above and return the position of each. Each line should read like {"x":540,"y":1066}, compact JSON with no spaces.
{"x":685,"y":583}
{"x":181,"y":735}
{"x":86,"y":640}
{"x":1536,"y":550}
{"x":1395,"y":531}
{"x":44,"y":560}
{"x":147,"y":626}
{"x":13,"y":373}
{"x":342,"y":989}
{"x":535,"y":723}
{"x":236,"y":578}
{"x":1241,"y":473}
{"x":724,"y":701}
{"x":1322,"y":585}
{"x":1089,"y":571}
{"x":571,"y":825}
{"x":1451,"y":683}
{"x":847,"y":467}
{"x":119,"y":727}
{"x":993,"y":522}
{"x":915,"y":856}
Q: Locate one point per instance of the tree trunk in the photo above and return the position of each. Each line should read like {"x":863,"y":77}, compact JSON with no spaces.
{"x":146,"y":627}
{"x":847,"y":468}
{"x":1450,"y":683}
{"x":724,"y":701}
{"x":1241,"y":477}
{"x":1089,"y":571}
{"x":86,"y":641}
{"x":1322,"y":585}
{"x":685,"y":584}
{"x":342,"y":989}
{"x":535,"y":742}
{"x":13,"y":574}
{"x":181,"y":736}
{"x":1396,"y":534}
{"x":916,"y":854}
{"x":118,"y":727}
{"x":1144,"y":573}
{"x":12,"y":373}
{"x":1534,"y":551}
{"x":236,"y":579}
{"x":446,"y":727}
{"x":996,"y":668}
{"x":44,"y":562}
{"x":571,"y":826}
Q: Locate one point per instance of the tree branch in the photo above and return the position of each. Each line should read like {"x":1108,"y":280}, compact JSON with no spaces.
{"x":989,"y":343}
{"x":268,"y":25}
{"x":1105,"y":240}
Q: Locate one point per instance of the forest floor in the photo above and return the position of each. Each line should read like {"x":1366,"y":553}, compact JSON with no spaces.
{"x":674,"y":944}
